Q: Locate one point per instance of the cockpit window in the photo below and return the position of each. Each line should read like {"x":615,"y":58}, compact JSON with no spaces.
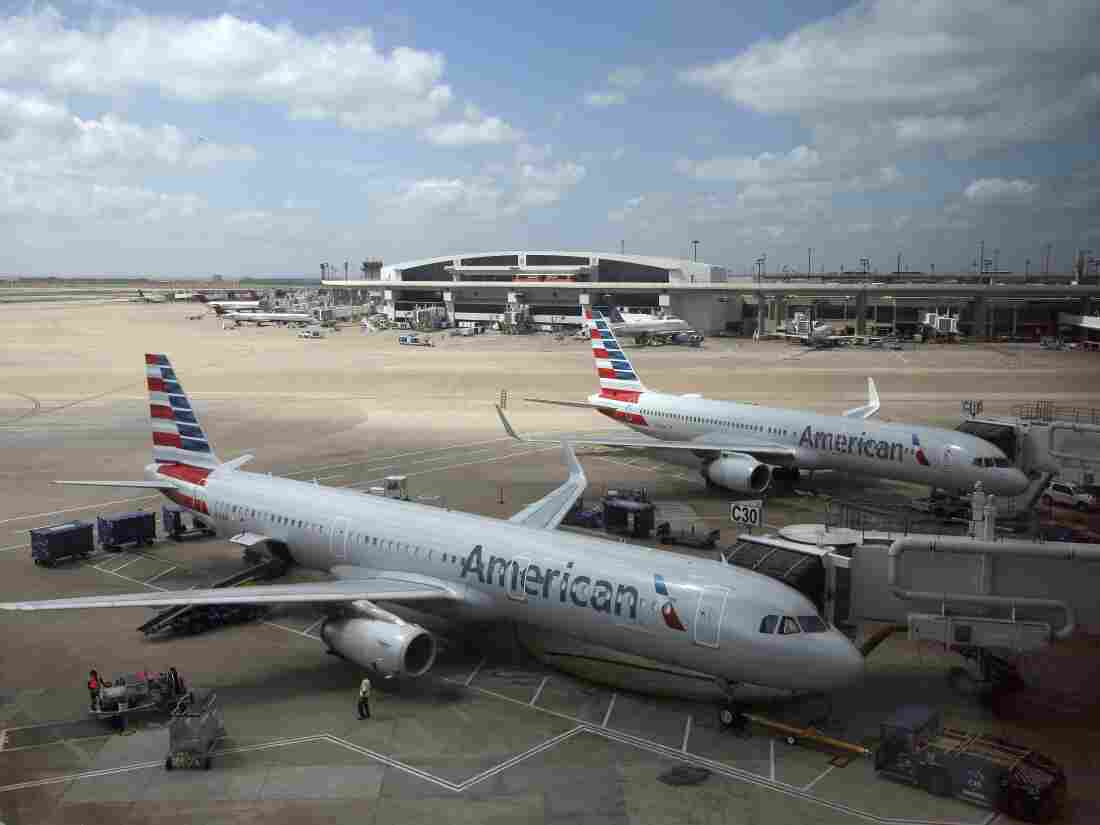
{"x":768,"y":623}
{"x":788,"y":626}
{"x":812,"y":624}
{"x":1002,"y":462}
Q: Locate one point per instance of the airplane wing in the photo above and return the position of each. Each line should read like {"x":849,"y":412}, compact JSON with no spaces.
{"x":386,"y":589}
{"x":871,"y":407}
{"x":548,"y":511}
{"x":768,"y":453}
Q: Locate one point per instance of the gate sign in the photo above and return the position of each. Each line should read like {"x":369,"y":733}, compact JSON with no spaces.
{"x":749,"y":513}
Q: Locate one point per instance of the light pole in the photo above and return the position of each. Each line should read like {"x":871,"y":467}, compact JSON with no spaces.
{"x":695,"y":251}
{"x":981,"y":258}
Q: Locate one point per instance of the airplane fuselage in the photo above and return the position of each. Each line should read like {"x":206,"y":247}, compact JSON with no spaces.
{"x":941,"y":458}
{"x":694,"y":614}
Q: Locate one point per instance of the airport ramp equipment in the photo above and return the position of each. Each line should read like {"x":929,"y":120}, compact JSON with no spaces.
{"x":123,"y":528}
{"x":194,"y":730}
{"x":196,"y":618}
{"x":915,"y":747}
{"x":61,"y":541}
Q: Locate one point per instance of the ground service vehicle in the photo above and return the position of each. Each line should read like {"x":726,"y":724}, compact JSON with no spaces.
{"x":61,"y":541}
{"x":916,"y":748}
{"x":139,"y":691}
{"x":139,"y":528}
{"x":194,"y":730}
{"x":1068,"y":495}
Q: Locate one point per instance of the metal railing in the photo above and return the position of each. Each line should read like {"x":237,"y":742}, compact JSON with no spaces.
{"x":1049,"y":411}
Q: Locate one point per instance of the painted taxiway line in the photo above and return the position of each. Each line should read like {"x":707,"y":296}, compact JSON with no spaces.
{"x":534,"y":699}
{"x":809,"y":785}
{"x":517,"y":454}
{"x":474,"y":673}
{"x":610,"y":707}
{"x":712,"y":765}
{"x":687,"y":735}
{"x":11,"y":548}
{"x":75,"y":509}
{"x":152,"y":579}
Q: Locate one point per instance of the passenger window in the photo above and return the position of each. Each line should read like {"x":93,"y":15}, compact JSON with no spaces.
{"x":768,"y":623}
{"x":788,"y":626}
{"x":812,"y":624}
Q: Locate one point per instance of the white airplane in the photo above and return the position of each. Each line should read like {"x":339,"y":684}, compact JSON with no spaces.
{"x":649,"y":618}
{"x":227,"y":306}
{"x":261,"y":318}
{"x":642,"y":326}
{"x":737,"y":444}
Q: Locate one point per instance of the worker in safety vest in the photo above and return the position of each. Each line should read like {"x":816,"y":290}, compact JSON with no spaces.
{"x":364,"y":698}
{"x":93,"y":688}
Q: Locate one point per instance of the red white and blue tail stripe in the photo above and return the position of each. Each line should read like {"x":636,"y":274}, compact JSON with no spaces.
{"x":616,"y":374}
{"x":178,"y":437}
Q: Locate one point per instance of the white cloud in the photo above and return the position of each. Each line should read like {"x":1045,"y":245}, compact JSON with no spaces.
{"x":474,"y":128}
{"x":604,"y":99}
{"x":617,"y":83}
{"x":529,"y":182}
{"x":898,"y":74}
{"x":800,"y":162}
{"x":1000,"y":190}
{"x":340,"y":76}
{"x":626,"y":77}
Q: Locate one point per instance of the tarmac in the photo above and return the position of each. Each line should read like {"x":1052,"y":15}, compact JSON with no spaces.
{"x":488,"y":735}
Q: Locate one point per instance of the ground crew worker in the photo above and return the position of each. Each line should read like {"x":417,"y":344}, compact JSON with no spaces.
{"x":364,"y":698}
{"x":93,"y":688}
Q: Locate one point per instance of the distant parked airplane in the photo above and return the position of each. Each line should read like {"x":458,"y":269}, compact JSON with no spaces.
{"x":736,"y":444}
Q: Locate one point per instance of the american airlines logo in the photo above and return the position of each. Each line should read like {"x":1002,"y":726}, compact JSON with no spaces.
{"x":549,"y":583}
{"x":858,"y":445}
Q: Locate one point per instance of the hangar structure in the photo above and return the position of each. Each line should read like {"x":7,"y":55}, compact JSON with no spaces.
{"x":553,"y":285}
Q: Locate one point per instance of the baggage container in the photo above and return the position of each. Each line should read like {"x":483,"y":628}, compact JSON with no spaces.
{"x":194,"y":730}
{"x":61,"y":541}
{"x":139,"y":528}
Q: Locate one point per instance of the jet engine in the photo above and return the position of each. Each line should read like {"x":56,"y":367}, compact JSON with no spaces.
{"x":394,"y":648}
{"x":740,"y":473}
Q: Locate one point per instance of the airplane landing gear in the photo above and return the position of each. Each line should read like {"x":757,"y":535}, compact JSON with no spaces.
{"x":731,"y":717}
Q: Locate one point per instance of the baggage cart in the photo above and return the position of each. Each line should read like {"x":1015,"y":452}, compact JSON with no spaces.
{"x":194,"y":730}
{"x":137,"y":692}
{"x":176,"y":527}
{"x":61,"y":541}
{"x":139,"y":528}
{"x":916,"y":748}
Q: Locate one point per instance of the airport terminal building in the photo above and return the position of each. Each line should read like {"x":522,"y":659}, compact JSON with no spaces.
{"x":551,"y":286}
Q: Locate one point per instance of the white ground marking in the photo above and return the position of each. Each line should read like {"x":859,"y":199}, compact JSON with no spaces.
{"x":75,"y":509}
{"x":819,"y":777}
{"x":11,"y":548}
{"x":290,"y":630}
{"x":771,"y":761}
{"x":314,"y":625}
{"x":687,"y":734}
{"x":610,"y":707}
{"x":474,"y":672}
{"x":516,"y":454}
{"x":161,"y":573}
{"x":127,"y":564}
{"x":534,"y":699}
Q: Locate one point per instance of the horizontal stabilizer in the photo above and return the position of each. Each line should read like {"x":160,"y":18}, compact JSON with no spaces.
{"x":584,"y":405}
{"x":148,"y":485}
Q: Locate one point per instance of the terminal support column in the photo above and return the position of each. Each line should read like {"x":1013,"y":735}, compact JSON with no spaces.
{"x":861,"y":313}
{"x":449,"y":306}
{"x":979,"y":311}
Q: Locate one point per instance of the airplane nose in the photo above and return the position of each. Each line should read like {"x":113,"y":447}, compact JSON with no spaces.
{"x":1013,"y":482}
{"x":844,"y":663}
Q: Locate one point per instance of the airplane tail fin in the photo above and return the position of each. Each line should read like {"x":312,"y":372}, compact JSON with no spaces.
{"x":178,"y":438}
{"x":613,"y":368}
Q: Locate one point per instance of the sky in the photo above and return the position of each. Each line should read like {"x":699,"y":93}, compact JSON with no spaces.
{"x":262,"y":137}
